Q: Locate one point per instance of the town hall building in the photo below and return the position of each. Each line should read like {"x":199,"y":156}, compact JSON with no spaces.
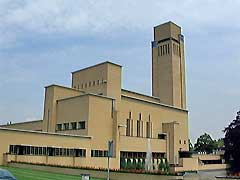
{"x":78,"y":121}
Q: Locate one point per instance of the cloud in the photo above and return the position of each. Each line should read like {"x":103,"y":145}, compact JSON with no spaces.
{"x":20,"y":18}
{"x":31,"y":119}
{"x":55,"y":36}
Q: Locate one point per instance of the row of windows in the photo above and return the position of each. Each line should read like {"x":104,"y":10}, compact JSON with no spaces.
{"x":140,"y":116}
{"x":99,"y":153}
{"x":182,"y":142}
{"x":46,"y":151}
{"x":140,"y":155}
{"x":90,"y":83}
{"x":71,"y":126}
{"x":139,"y":126}
{"x":163,"y":50}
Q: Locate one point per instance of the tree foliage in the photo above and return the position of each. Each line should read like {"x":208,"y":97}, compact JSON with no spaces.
{"x":232,"y":143}
{"x":219,"y":144}
{"x":205,"y":143}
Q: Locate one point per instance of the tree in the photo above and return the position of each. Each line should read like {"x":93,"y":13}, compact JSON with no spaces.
{"x":218,"y":144}
{"x":204,"y":144}
{"x":232,"y":143}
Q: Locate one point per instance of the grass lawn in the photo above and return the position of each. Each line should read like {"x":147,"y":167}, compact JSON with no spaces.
{"x":28,"y":174}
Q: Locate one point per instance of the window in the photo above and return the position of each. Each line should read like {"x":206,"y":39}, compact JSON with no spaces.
{"x":32,"y":150}
{"x":66,"y":126}
{"x":82,"y":85}
{"x":138,"y":129}
{"x":28,"y":150}
{"x":157,"y":155}
{"x":140,"y":155}
{"x":90,"y":84}
{"x":162,"y":136}
{"x":44,"y":151}
{"x":174,"y":48}
{"x":67,"y":152}
{"x":140,"y":116}
{"x":185,"y":142}
{"x":130,"y":115}
{"x":59,"y":127}
{"x":99,"y":153}
{"x":161,"y":50}
{"x":71,"y":152}
{"x":128,"y":128}
{"x":149,"y":127}
{"x":180,"y":142}
{"x":131,"y":127}
{"x":85,"y":85}
{"x":13,"y":149}
{"x":40,"y":150}
{"x":80,"y":152}
{"x":93,"y":83}
{"x":74,"y":125}
{"x":98,"y":82}
{"x":57,"y":152}
{"x":81,"y":125}
{"x":64,"y":152}
{"x":148,"y":130}
{"x":36,"y":149}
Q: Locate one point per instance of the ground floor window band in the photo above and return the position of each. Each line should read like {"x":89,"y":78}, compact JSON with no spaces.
{"x":45,"y":151}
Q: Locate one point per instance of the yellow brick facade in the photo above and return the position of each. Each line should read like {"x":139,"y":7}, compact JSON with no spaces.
{"x":95,"y":109}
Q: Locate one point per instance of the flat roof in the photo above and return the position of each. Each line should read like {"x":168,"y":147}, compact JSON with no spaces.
{"x":169,"y":22}
{"x":106,"y":62}
{"x":140,"y":94}
{"x":45,"y":133}
{"x":151,"y":102}
{"x":69,"y":88}
{"x":87,"y":94}
{"x":24,"y":122}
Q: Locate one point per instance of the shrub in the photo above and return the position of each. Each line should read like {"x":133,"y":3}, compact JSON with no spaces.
{"x":129,"y":164}
{"x":161,"y":165}
{"x":123,"y":164}
{"x":139,"y":165}
{"x":167,"y":168}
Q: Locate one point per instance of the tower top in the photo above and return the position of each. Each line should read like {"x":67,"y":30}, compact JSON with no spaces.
{"x":167,"y":30}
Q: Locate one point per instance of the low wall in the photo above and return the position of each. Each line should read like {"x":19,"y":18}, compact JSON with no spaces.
{"x":192,"y":164}
{"x":212,"y":167}
{"x":95,"y":173}
{"x":207,"y":156}
{"x":60,"y":161}
{"x":187,"y":164}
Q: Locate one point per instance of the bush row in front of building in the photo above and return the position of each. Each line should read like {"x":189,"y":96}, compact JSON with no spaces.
{"x":163,"y":169}
{"x":139,"y":164}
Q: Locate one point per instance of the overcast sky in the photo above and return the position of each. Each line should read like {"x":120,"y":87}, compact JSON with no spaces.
{"x":43,"y":41}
